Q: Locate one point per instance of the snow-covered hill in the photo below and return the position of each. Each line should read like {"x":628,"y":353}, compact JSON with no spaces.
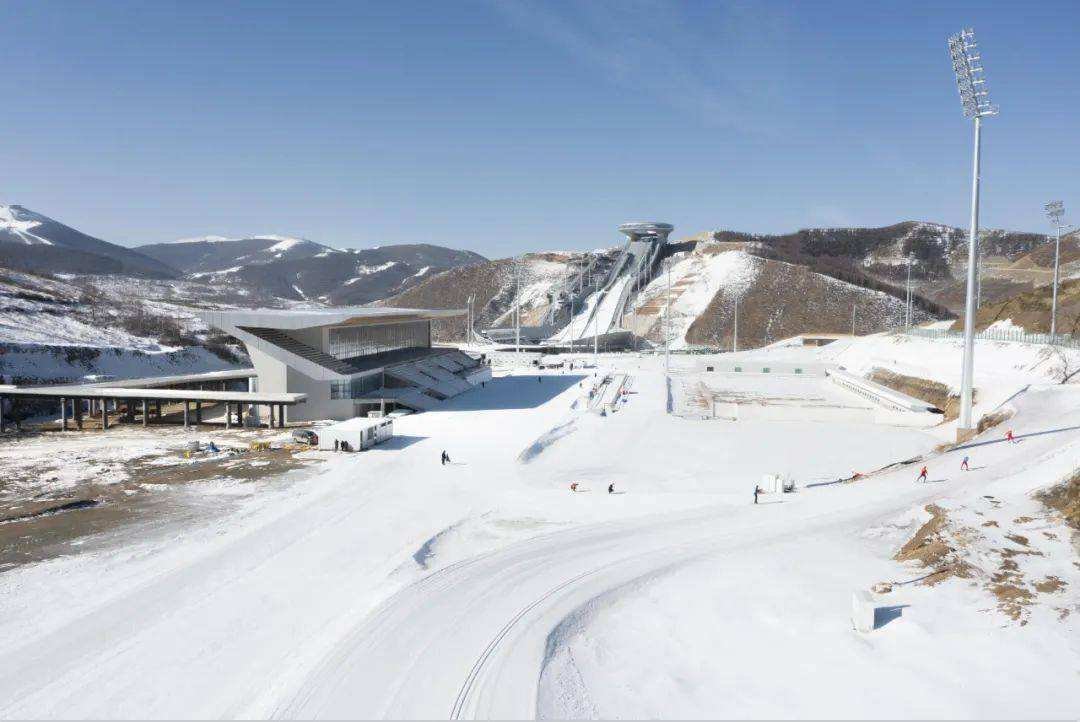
{"x":61,"y":329}
{"x":36,"y":243}
{"x":216,"y":254}
{"x":302,"y":270}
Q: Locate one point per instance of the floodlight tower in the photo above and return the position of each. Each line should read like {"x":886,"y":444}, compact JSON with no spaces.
{"x":907,"y":305}
{"x":975,"y":100}
{"x":1055,"y":211}
{"x":517,"y":304}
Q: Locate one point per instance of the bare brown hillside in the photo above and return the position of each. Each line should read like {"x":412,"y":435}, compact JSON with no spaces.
{"x":1032,"y":310}
{"x":451,"y":289}
{"x":786,"y":300}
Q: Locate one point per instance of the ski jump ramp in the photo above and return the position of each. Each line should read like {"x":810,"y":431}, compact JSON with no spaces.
{"x":602,"y":312}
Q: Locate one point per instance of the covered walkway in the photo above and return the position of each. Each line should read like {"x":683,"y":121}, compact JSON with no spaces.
{"x":147,"y":403}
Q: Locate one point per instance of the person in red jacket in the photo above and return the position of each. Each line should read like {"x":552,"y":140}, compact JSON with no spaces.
{"x":1009,"y":436}
{"x":922,"y":474}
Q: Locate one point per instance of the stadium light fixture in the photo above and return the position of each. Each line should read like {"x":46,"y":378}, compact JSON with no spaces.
{"x":1055,"y":212}
{"x":975,"y":101}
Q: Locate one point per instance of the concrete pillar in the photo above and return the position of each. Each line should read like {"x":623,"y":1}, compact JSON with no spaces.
{"x":3,"y":421}
{"x":228,"y":415}
{"x":129,"y":416}
{"x":198,"y":411}
{"x":240,"y":414}
{"x":270,"y":408}
{"x":157,"y":409}
{"x":104,"y":414}
{"x":281,"y":416}
{"x":145,"y":413}
{"x":186,"y":405}
{"x":63,"y":414}
{"x":77,"y":411}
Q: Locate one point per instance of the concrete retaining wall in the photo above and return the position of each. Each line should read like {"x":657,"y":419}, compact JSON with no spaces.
{"x":780,"y":368}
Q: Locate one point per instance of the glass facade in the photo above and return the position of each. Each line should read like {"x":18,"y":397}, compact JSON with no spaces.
{"x":348,"y":342}
{"x":355,"y":388}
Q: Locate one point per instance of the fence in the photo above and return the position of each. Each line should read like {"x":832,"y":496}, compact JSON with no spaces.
{"x":1064,"y":340}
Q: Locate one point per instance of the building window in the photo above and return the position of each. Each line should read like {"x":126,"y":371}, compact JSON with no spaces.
{"x":349,"y":342}
{"x":355,"y":388}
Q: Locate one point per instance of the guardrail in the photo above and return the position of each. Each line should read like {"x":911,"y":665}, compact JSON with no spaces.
{"x":1062,"y":339}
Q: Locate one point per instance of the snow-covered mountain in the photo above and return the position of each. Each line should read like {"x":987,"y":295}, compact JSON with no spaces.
{"x":32,"y":242}
{"x":302,"y":270}
{"x":211,"y":254}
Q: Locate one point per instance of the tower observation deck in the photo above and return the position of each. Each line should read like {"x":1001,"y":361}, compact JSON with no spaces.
{"x":603,"y":310}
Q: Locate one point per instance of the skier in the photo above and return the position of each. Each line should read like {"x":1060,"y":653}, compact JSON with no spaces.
{"x":1009,"y":437}
{"x":964,"y":465}
{"x":611,"y":488}
{"x":539,"y":379}
{"x":757,"y":490}
{"x":445,"y":458}
{"x":922,"y":475}
{"x":573,"y":487}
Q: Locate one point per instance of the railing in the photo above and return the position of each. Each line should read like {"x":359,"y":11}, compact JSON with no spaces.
{"x":1064,"y":340}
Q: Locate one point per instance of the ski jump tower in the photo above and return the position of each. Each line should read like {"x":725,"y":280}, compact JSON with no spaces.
{"x":635,"y":266}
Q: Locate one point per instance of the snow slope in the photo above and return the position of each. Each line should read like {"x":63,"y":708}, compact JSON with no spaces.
{"x":20,"y":228}
{"x":391,"y":586}
{"x":694,"y":281}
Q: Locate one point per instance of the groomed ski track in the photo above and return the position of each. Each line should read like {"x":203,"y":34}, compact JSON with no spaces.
{"x":290,"y":619}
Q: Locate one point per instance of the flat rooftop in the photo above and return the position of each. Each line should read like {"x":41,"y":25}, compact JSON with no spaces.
{"x":156,"y":381}
{"x":94,"y":391}
{"x":288,"y":319}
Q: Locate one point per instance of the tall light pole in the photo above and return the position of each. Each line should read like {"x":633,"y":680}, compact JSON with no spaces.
{"x":517,"y":304}
{"x":975,"y":100}
{"x":978,"y":273}
{"x":1055,"y":211}
{"x":667,"y":321}
{"x":907,"y":307}
{"x":735,"y":336}
{"x":595,"y":341}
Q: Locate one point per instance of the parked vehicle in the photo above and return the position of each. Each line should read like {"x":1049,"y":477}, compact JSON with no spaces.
{"x":305,"y":436}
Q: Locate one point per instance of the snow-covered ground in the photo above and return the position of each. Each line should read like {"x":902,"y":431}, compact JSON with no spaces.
{"x":388,"y":585}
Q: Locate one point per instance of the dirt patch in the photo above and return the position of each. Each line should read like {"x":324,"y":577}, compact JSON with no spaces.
{"x":989,"y":421}
{"x":1065,"y":499}
{"x":1012,"y":598}
{"x":932,"y":547}
{"x":944,"y":550}
{"x":1008,"y":583}
{"x":1017,"y":539}
{"x":1050,"y":585}
{"x":45,"y":525}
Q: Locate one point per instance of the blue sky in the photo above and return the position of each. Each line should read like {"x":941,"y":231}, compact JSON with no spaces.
{"x":505,"y":126}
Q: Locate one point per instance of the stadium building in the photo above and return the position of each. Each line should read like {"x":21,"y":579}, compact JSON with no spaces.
{"x":351,"y":360}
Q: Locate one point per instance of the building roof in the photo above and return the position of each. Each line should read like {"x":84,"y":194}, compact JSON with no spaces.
{"x":94,"y":391}
{"x":315,"y":317}
{"x":356,"y":423}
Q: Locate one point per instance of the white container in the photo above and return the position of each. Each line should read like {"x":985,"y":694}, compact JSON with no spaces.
{"x":356,"y":434}
{"x":862,"y":611}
